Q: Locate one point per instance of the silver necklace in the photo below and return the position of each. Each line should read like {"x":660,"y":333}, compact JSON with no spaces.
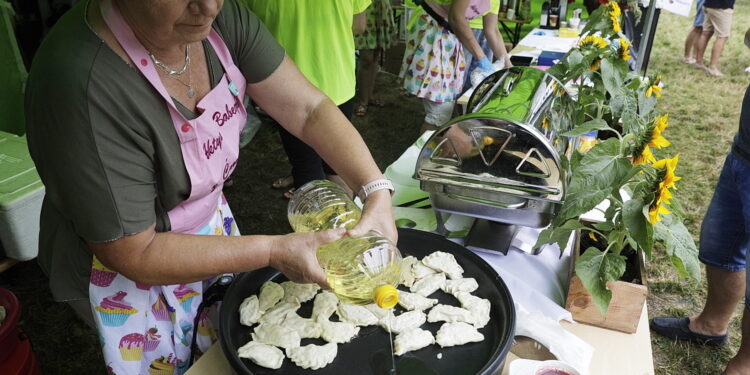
{"x":174,"y":74}
{"x":189,"y":85}
{"x":167,"y":69}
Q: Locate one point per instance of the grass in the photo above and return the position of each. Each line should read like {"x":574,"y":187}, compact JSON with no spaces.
{"x":704,"y":114}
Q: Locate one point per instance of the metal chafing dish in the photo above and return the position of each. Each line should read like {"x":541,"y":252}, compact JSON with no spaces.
{"x":501,"y":162}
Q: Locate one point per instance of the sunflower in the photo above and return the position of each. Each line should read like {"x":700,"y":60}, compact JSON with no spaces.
{"x":615,"y":8}
{"x":645,"y":156}
{"x":595,"y":65}
{"x":657,"y":140}
{"x":624,"y":50}
{"x":593,"y":236}
{"x":652,"y":138}
{"x":654,"y":88}
{"x":593,"y":41}
{"x":666,"y":181}
{"x":615,"y":23}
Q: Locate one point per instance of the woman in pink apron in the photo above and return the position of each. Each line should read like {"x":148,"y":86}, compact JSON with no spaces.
{"x":145,"y":287}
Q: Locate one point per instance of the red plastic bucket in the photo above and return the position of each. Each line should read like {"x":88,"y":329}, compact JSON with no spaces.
{"x":9,"y":334}
{"x":21,"y":361}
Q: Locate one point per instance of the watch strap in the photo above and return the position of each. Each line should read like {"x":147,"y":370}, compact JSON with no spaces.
{"x":373,"y":186}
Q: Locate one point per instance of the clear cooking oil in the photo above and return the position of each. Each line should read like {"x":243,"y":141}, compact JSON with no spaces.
{"x":358,"y":267}
{"x":320,"y":205}
{"x":360,"y":270}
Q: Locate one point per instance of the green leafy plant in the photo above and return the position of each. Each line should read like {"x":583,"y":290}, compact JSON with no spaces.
{"x":619,"y":174}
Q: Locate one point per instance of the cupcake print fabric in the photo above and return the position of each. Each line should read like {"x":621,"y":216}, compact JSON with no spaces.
{"x":380,"y":29}
{"x":433,"y":65}
{"x":149,"y":329}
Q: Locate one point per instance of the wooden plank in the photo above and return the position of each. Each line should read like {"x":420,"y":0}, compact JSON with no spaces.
{"x":615,"y":353}
{"x":618,"y":353}
{"x":624,"y":309}
{"x":6,"y":263}
{"x":212,"y":362}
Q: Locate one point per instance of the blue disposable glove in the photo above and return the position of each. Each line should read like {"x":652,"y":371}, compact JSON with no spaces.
{"x":485,"y":65}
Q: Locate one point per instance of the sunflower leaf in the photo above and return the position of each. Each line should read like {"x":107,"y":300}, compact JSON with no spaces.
{"x":599,"y":171}
{"x":558,"y":234}
{"x":637,"y":224}
{"x":587,"y":127}
{"x":612,"y":78}
{"x":680,"y":246}
{"x":595,"y":268}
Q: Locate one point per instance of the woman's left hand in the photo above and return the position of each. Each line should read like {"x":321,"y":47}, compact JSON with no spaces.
{"x":377,"y":215}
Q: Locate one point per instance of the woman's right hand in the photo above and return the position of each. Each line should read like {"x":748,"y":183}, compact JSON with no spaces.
{"x":294,"y":255}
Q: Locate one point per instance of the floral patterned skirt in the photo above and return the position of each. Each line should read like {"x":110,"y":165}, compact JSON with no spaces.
{"x":381,"y":28}
{"x":433,"y":65}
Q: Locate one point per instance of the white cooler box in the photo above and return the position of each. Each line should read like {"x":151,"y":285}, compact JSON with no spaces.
{"x":21,"y":193}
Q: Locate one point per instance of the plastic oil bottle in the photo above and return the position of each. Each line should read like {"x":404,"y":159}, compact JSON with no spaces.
{"x":360,"y":270}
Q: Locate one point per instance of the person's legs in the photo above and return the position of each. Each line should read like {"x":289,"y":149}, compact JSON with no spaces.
{"x":700,"y":47}
{"x":716,"y":51}
{"x":691,"y":43}
{"x":368,"y":69}
{"x":694,"y":34}
{"x":723,"y":249}
{"x":306,"y":164}
{"x":436,"y":114}
{"x":725,"y":289}
{"x":740,"y":364}
{"x":722,"y":23}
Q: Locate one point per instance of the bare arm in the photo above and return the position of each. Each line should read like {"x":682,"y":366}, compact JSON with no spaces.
{"x":359,"y":23}
{"x":461,"y":28}
{"x":172,"y":258}
{"x":314,"y":118}
{"x":495,"y":39}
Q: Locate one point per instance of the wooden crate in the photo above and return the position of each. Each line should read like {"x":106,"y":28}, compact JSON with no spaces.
{"x":626,"y":305}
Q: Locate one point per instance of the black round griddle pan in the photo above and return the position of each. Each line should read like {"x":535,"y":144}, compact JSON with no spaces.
{"x":370,"y":351}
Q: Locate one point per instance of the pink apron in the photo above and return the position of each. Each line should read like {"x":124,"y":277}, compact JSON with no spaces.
{"x":148,"y":329}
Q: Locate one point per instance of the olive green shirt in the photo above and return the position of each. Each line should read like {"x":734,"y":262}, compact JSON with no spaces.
{"x":104,"y":143}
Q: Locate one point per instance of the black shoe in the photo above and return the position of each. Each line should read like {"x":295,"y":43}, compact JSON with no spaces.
{"x":679,"y":328}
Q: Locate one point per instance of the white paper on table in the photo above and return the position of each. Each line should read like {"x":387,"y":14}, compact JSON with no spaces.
{"x":565,"y":346}
{"x":548,"y":43}
{"x":538,"y":282}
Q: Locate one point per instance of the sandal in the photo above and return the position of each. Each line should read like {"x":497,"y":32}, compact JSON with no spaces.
{"x":377,"y":103}
{"x":360,"y":110}
{"x":289,"y":193}
{"x":283,"y":183}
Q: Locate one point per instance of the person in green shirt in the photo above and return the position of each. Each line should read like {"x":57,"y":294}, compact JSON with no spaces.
{"x":319,"y":37}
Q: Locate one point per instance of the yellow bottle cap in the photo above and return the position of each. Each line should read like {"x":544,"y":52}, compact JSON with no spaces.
{"x":386,"y":296}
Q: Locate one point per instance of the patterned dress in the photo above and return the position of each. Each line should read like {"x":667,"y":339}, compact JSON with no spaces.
{"x":433,"y":65}
{"x":149,"y":328}
{"x":380,"y":29}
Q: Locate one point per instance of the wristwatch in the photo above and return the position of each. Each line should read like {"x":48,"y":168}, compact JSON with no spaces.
{"x":374,"y":186}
